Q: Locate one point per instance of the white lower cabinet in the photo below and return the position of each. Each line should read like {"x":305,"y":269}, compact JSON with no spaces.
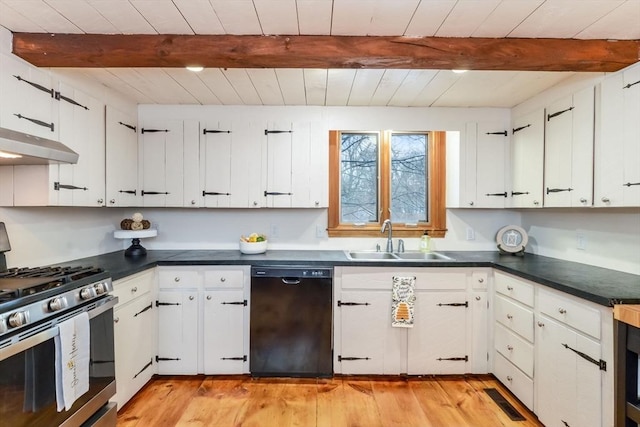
{"x":442,"y":339}
{"x":134,"y":324}
{"x":203,"y":320}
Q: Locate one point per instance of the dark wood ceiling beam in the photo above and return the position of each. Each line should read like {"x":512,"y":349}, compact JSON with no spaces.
{"x":226,"y":51}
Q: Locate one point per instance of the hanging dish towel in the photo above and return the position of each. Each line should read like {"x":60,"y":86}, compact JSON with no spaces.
{"x":72,"y":360}
{"x":403,"y":298}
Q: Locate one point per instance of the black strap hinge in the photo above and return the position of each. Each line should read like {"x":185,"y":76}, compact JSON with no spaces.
{"x":206,"y":131}
{"x":341,"y":358}
{"x":244,"y":303}
{"x":243,"y":358}
{"x":340,"y":303}
{"x":600,"y":363}
{"x":149,"y":307}
{"x":214,"y":193}
{"x":164,"y":359}
{"x":153,"y":130}
{"x":556,"y":114}
{"x":133,"y":128}
{"x":57,"y":187}
{"x":454,"y":304}
{"x":144,"y":368}
{"x":520,"y":128}
{"x":267,"y":132}
{"x":158,"y":303}
{"x":454,"y":359}
{"x":504,"y":133}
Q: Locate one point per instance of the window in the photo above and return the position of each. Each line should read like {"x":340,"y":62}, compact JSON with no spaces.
{"x":379,"y":175}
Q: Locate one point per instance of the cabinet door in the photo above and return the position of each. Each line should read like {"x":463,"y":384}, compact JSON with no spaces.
{"x":631,"y":136}
{"x":215,"y":164}
{"x":478,"y":325}
{"x":121,"y":158}
{"x":278,"y":188}
{"x":568,"y":161}
{"x":568,"y":387}
{"x":28,"y":103}
{"x":369,"y":344}
{"x":247,"y":165}
{"x":224,"y":332}
{"x":134,"y":347}
{"x":527,"y":158}
{"x":491,"y":151}
{"x":82,"y":129}
{"x":161,"y":162}
{"x":438,"y":341}
{"x":178,"y":332}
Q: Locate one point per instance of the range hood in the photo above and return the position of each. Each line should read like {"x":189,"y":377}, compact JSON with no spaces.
{"x":32,"y":150}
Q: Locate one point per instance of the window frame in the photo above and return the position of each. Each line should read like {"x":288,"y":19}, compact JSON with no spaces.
{"x":436,"y":187}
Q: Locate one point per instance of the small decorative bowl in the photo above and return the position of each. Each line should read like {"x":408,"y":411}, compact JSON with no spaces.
{"x":253,"y":247}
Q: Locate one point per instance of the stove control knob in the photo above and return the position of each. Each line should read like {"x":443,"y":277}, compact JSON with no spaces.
{"x":88,"y":293}
{"x":19,"y":318}
{"x":57,"y":304}
{"x":100,"y":288}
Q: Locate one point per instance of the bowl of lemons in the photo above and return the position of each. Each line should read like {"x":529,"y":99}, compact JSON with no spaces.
{"x":254,"y":243}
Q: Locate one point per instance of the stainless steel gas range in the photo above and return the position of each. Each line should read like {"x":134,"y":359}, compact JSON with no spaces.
{"x":35,"y":305}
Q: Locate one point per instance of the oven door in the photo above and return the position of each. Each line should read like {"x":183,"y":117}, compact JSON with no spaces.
{"x":27,"y":371}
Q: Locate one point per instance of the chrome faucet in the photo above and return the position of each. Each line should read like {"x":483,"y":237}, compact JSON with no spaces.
{"x":387,"y":222}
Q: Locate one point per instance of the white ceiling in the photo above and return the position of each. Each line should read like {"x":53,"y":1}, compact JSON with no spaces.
{"x":582,"y":19}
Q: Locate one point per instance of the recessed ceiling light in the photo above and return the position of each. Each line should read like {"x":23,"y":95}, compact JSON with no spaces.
{"x":459,"y":71}
{"x":195,"y":68}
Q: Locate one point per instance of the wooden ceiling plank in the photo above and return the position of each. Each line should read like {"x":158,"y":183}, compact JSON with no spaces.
{"x":412,"y":85}
{"x":391,"y":17}
{"x":47,"y":17}
{"x":84,"y":16}
{"x":266,"y":84}
{"x":315,"y":85}
{"x":466,"y":17}
{"x":351,"y":17}
{"x":435,"y":90}
{"x":200,"y":16}
{"x":192,"y":83}
{"x":163,"y":16}
{"x":339,"y":84}
{"x":504,"y":18}
{"x":243,"y":86}
{"x":13,"y":19}
{"x":277,"y":16}
{"x":620,"y":23}
{"x":314,"y":17}
{"x":388,"y":86}
{"x":364,"y":86}
{"x":125,"y":18}
{"x":218,"y":83}
{"x":291,"y":82}
{"x":237,"y":16}
{"x":428,"y":17}
{"x":100,"y":50}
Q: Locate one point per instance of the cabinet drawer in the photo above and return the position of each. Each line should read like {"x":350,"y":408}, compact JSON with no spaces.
{"x":224,"y":278}
{"x":514,"y":348}
{"x":177,"y":278}
{"x":382,"y":277}
{"x":514,"y":379}
{"x":573,"y":313}
{"x":480,"y":279}
{"x":133,"y":286}
{"x":514,"y":288}
{"x":515,"y":317}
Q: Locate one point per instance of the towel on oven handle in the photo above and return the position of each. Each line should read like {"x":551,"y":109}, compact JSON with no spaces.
{"x":72,"y":360}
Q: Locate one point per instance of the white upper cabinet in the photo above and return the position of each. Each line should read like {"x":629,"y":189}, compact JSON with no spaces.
{"x":27,"y":99}
{"x":81,"y":129}
{"x":527,"y":157}
{"x":568,"y":152}
{"x":617,"y":145}
{"x":486,"y":154}
{"x":162,"y":153}
{"x":121,"y":158}
{"x":278,"y":139}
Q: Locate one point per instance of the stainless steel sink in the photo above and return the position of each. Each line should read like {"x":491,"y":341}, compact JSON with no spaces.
{"x":396,"y":256}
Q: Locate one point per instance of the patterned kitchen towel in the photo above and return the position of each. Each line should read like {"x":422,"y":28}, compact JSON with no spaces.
{"x":403,"y":298}
{"x":72,"y":360}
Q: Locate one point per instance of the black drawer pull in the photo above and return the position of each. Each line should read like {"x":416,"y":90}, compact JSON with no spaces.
{"x":36,"y":121}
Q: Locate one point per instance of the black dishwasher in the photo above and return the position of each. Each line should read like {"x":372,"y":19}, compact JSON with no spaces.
{"x":291,"y":322}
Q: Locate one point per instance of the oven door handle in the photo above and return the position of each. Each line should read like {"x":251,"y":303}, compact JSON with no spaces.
{"x":51,"y":332}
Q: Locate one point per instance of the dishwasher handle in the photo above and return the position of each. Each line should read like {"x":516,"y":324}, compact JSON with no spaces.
{"x":290,"y":280}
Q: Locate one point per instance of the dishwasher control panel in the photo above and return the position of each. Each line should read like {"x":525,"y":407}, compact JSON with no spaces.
{"x":299,"y":272}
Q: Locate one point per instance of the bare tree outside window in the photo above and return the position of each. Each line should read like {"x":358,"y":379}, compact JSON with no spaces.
{"x":409,"y":189}
{"x":359,"y":177}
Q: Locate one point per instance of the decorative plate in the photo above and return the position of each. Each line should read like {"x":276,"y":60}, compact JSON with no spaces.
{"x":512,"y":239}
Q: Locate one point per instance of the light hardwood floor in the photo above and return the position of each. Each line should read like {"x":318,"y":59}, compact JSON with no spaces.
{"x":338,"y":402}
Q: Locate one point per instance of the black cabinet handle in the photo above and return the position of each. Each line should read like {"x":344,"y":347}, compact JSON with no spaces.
{"x":454,"y":304}
{"x":520,"y":128}
{"x":340,"y":303}
{"x":630,"y":84}
{"x":503,"y":133}
{"x":214,"y":193}
{"x":37,"y":86}
{"x":36,"y":121}
{"x":144,"y":368}
{"x":497,"y":194}
{"x":244,"y":303}
{"x":518,"y":193}
{"x":206,"y":131}
{"x":57,"y":187}
{"x":153,"y":193}
{"x":275,"y":193}
{"x":133,"y":128}
{"x":128,"y":191}
{"x":153,"y":130}
{"x":629,"y":184}
{"x":341,"y":358}
{"x":267,"y":132}
{"x":143,"y":310}
{"x":556,"y":114}
{"x":558,"y":190}
{"x":60,"y":96}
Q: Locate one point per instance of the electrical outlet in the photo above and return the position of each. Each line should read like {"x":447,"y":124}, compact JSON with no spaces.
{"x":471,"y":234}
{"x":581,"y":241}
{"x":274,"y":231}
{"x":321,"y":232}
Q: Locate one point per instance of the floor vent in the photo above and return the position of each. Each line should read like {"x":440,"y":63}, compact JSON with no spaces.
{"x":506,"y":407}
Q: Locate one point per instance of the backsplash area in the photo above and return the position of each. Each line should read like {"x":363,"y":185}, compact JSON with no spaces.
{"x":50,"y":235}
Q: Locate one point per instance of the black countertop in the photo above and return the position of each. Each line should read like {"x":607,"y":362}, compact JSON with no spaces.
{"x":600,"y":285}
